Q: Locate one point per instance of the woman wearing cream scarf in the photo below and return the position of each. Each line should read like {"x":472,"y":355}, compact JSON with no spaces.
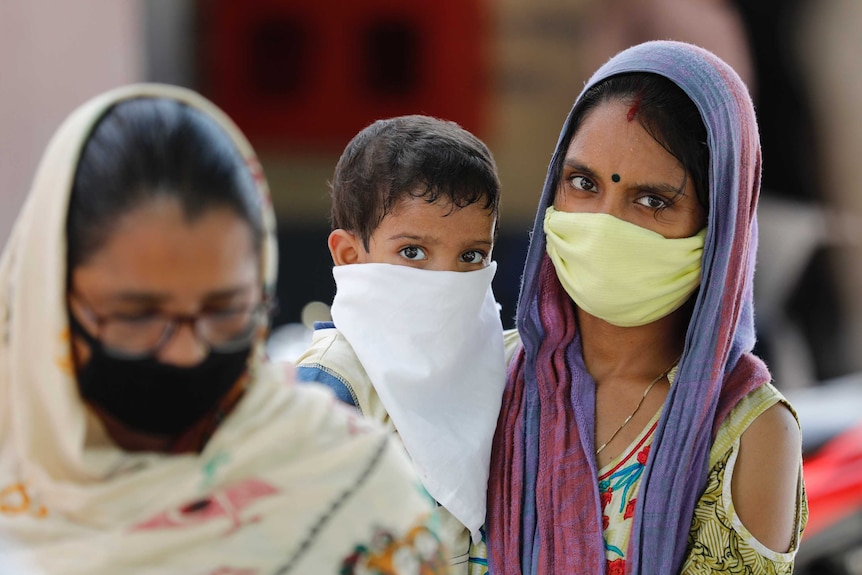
{"x":241,"y":474}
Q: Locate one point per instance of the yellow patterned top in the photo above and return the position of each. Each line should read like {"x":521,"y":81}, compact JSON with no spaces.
{"x":718,"y":542}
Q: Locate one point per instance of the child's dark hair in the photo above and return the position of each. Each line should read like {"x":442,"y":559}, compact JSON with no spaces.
{"x":410,"y":156}
{"x":665,"y":112}
{"x":149,"y":148}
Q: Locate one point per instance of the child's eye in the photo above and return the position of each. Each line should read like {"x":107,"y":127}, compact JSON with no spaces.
{"x":652,"y":202}
{"x":413,"y":253}
{"x":473,"y":257}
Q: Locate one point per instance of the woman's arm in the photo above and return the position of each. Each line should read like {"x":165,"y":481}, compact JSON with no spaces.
{"x":765,"y":478}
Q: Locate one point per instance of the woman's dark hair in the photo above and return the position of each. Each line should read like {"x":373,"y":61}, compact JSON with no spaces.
{"x":410,"y":156}
{"x":150,"y":148}
{"x":665,"y":112}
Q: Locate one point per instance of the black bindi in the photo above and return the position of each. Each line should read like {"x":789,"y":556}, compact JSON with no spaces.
{"x":615,"y":177}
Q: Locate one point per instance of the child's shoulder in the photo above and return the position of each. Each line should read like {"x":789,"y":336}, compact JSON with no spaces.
{"x":331,"y":361}
{"x":328,"y":346}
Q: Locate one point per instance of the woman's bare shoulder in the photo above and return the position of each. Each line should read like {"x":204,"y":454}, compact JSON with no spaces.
{"x":766,"y":475}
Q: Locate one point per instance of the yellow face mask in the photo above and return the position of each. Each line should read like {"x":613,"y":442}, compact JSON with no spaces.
{"x":619,"y":272}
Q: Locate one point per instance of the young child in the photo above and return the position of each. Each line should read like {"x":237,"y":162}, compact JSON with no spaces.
{"x":416,"y":339}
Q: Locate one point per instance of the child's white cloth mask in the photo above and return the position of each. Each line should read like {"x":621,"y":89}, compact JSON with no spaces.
{"x":432,"y":344}
{"x":620,"y":272}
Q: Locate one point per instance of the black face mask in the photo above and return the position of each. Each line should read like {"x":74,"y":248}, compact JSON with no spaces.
{"x":155,"y":397}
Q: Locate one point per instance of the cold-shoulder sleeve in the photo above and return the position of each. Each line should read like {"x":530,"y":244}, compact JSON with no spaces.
{"x":718,"y":542}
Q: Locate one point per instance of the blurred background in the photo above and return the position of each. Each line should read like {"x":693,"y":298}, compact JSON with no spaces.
{"x":302,"y":77}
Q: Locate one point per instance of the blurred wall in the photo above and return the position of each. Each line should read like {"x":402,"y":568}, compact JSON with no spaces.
{"x":53,"y":57}
{"x":538,"y":55}
{"x":829,"y":48}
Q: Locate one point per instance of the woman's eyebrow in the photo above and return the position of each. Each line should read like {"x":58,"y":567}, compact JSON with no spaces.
{"x":662,"y":188}
{"x":574,"y":164}
{"x":151,"y":298}
{"x":156,"y":298}
{"x":579,"y":168}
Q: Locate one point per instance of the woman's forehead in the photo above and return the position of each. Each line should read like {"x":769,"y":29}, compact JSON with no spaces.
{"x":156,"y":249}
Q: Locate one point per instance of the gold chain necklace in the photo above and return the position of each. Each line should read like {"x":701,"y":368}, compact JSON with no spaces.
{"x":632,"y":414}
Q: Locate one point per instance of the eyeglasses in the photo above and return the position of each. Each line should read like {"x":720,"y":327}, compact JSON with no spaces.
{"x":225,"y":330}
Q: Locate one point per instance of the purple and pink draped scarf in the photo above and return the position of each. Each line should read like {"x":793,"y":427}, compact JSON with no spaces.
{"x":544,"y":514}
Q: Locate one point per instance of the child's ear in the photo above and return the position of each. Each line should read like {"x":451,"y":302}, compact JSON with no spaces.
{"x":345,"y":247}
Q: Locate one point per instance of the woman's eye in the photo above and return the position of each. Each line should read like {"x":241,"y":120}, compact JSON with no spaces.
{"x":582,"y":183}
{"x":413,"y":253}
{"x":652,"y":202}
{"x":473,"y":257}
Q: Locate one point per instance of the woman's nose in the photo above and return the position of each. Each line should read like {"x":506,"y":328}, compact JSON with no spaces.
{"x":184,"y":348}
{"x":607,"y":204}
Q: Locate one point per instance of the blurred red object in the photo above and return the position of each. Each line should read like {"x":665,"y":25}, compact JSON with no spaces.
{"x":833,"y":481}
{"x":294,"y":72}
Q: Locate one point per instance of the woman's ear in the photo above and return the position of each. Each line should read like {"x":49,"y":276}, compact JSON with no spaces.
{"x":345,"y":248}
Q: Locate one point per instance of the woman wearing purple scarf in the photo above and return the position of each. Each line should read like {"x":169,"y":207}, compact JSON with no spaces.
{"x":638,"y":433}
